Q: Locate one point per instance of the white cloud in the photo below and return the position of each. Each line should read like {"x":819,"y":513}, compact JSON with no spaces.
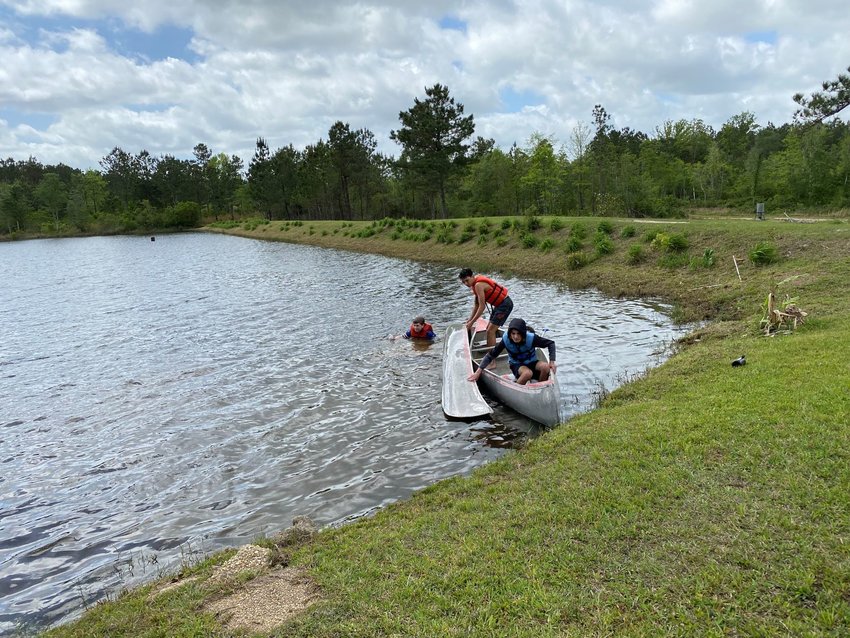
{"x":287,"y":71}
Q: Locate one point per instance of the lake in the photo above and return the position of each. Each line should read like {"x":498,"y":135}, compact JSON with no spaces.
{"x":160,"y":400}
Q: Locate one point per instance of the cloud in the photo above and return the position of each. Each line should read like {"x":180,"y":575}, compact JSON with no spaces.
{"x":71,"y":91}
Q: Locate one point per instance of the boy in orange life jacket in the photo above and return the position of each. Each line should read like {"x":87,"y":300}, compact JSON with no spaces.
{"x":487,"y":291}
{"x":419,"y":329}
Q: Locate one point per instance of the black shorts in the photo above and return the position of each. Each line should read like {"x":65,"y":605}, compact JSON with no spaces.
{"x":535,"y":373}
{"x":500,"y":313}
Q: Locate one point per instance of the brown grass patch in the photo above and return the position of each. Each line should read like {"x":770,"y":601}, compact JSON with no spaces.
{"x":267,"y":601}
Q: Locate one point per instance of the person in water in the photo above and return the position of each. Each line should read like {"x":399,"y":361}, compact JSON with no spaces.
{"x":486,"y":291}
{"x":420,"y":329}
{"x":521,"y":343}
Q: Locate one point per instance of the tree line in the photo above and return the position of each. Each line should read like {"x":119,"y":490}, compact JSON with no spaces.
{"x":443,"y":170}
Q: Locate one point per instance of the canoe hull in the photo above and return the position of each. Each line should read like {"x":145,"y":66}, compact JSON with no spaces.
{"x":539,"y":401}
{"x":461,"y":399}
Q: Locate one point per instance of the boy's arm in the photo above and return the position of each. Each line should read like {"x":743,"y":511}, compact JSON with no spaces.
{"x":495,"y":351}
{"x":543,"y":342}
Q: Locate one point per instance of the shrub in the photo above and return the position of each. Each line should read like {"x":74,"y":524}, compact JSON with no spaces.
{"x":763,"y":254}
{"x":444,"y":235}
{"x":573,"y":244}
{"x":465,"y":236}
{"x":635,"y":255}
{"x":546,"y":245}
{"x":501,"y":241}
{"x":482,"y":239}
{"x":577,"y":260}
{"x":605,"y":227}
{"x":183,"y":215}
{"x":532,"y":222}
{"x":628,"y":231}
{"x":506,"y":223}
{"x":678,"y":243}
{"x":556,"y":224}
{"x":603,"y":243}
{"x":484,"y":226}
{"x":708,"y":258}
{"x":578,"y":230}
{"x":670,"y":243}
{"x":528,"y":240}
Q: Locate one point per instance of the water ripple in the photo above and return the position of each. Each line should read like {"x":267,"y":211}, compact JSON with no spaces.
{"x":172,"y":398}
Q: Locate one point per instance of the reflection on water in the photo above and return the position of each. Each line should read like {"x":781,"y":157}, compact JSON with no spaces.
{"x":158,"y":399}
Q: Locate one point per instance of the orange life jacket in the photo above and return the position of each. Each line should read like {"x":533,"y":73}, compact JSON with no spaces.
{"x":421,"y":334}
{"x":497,"y":292}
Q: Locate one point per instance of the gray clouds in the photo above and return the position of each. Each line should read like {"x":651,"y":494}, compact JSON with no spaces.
{"x":287,"y":71}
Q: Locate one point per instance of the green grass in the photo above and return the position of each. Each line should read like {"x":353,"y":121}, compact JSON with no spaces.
{"x":698,"y":499}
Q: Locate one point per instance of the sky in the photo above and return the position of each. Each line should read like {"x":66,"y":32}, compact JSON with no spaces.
{"x":81,"y":77}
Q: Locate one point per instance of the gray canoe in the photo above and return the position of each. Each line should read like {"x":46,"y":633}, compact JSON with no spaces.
{"x":539,"y":401}
{"x":461,"y":398}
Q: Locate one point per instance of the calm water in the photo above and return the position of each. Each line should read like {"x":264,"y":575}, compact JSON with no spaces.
{"x":163,"y":399}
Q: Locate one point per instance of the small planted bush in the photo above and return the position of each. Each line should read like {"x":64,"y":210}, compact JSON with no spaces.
{"x":546,"y":245}
{"x":605,"y":226}
{"x":444,"y":235}
{"x":763,"y":254}
{"x":603,"y":243}
{"x":574,"y":244}
{"x":556,"y":224}
{"x":670,"y":243}
{"x":577,"y":260}
{"x":678,"y":243}
{"x":628,"y":231}
{"x":528,"y":240}
{"x":532,"y":222}
{"x":635,"y":254}
{"x":578,"y":230}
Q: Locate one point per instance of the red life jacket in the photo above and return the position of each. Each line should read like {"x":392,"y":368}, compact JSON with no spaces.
{"x":497,"y":292}
{"x":421,"y":334}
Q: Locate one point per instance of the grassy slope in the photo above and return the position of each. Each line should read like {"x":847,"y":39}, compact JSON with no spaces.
{"x":699,"y":500}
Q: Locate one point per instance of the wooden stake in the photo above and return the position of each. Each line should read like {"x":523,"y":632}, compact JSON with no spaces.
{"x":736,"y":268}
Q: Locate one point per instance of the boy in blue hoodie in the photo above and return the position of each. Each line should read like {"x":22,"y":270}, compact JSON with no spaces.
{"x":521,"y":344}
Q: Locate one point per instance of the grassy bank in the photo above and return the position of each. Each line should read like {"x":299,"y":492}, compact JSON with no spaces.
{"x":701,"y":499}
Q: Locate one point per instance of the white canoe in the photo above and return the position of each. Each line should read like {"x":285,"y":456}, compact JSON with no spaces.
{"x":538,"y":400}
{"x":461,"y":398}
